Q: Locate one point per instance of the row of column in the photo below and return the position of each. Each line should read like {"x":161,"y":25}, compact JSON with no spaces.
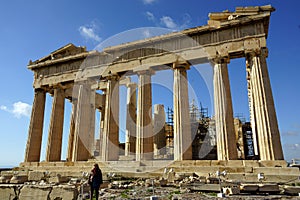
{"x":262,"y":110}
{"x":82,"y":126}
{"x":139,"y":131}
{"x":139,"y":117}
{"x":139,"y":122}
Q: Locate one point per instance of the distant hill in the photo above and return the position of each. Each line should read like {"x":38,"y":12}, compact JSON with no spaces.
{"x":5,"y":168}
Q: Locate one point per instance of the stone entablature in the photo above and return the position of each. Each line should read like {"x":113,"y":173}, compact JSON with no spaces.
{"x":231,"y":38}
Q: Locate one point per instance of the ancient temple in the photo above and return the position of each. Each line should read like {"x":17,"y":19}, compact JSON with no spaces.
{"x":90,"y":80}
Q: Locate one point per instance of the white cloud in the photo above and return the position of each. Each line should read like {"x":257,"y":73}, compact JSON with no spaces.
{"x":149,"y":1}
{"x":293,"y":146}
{"x":291,"y":133}
{"x":19,"y":109}
{"x":291,"y":150}
{"x":186,"y":21}
{"x":3,"y":108}
{"x":89,"y":32}
{"x":146,"y":33}
{"x":168,"y":22}
{"x":150,"y":16}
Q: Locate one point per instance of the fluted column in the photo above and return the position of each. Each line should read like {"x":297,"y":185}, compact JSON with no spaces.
{"x":34,"y":141}
{"x":226,"y":142}
{"x":72,"y":130}
{"x":144,"y":132}
{"x":252,"y":111}
{"x":182,"y":124}
{"x":82,"y":143}
{"x":54,"y":145}
{"x":265,"y":121}
{"x":110,"y":139}
{"x":92,"y":122}
{"x":159,"y":121}
{"x":101,"y":135}
{"x":130,"y":120}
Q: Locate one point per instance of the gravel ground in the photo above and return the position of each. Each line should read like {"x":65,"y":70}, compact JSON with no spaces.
{"x":174,"y":193}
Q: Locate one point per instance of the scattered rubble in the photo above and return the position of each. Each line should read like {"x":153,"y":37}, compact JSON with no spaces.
{"x":170,"y":185}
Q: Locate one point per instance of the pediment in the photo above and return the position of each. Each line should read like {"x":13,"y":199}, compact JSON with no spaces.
{"x":65,"y":51}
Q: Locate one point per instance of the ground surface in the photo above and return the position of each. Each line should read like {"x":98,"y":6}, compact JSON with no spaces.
{"x":163,"y":193}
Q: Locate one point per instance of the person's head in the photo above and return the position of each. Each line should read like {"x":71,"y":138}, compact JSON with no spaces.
{"x":96,"y":166}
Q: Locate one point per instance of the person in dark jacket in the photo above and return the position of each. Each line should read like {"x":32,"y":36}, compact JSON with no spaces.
{"x":95,"y":180}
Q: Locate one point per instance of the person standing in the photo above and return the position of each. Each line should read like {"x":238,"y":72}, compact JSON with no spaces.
{"x":95,"y":180}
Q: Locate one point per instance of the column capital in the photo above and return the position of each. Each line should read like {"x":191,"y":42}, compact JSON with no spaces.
{"x":37,"y":90}
{"x":146,"y":72}
{"x":257,"y":52}
{"x":85,"y":83}
{"x":131,"y":84}
{"x":114,"y":77}
{"x":58,"y":87}
{"x":220,"y":59}
{"x":185,"y":66}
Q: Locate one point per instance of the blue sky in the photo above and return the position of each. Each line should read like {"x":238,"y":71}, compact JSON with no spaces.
{"x":32,"y":29}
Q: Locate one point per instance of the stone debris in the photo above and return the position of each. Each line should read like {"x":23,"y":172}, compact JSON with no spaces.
{"x":19,"y":179}
{"x":178,"y":187}
{"x":64,"y":192}
{"x":260,"y":188}
{"x":291,"y":190}
{"x":58,"y":179}
{"x":268,"y":188}
{"x":165,"y":173}
{"x":5,"y":178}
{"x":8,"y":191}
{"x":29,"y":192}
{"x":35,"y":175}
{"x":170,"y":184}
{"x":231,"y":190}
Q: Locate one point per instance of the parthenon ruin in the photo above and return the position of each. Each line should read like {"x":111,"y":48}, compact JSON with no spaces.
{"x":90,"y":80}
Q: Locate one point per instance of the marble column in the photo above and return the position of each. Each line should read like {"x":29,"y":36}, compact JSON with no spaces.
{"x":226,"y":142}
{"x":102,"y":118}
{"x":159,"y":121}
{"x":110,"y":138}
{"x":130,"y":120}
{"x":144,"y":132}
{"x":98,"y":109}
{"x":72,"y":130}
{"x":252,"y":111}
{"x":92,"y":122}
{"x":54,"y":145}
{"x":265,"y":122}
{"x":34,"y":142}
{"x":182,"y":124}
{"x":82,"y":143}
